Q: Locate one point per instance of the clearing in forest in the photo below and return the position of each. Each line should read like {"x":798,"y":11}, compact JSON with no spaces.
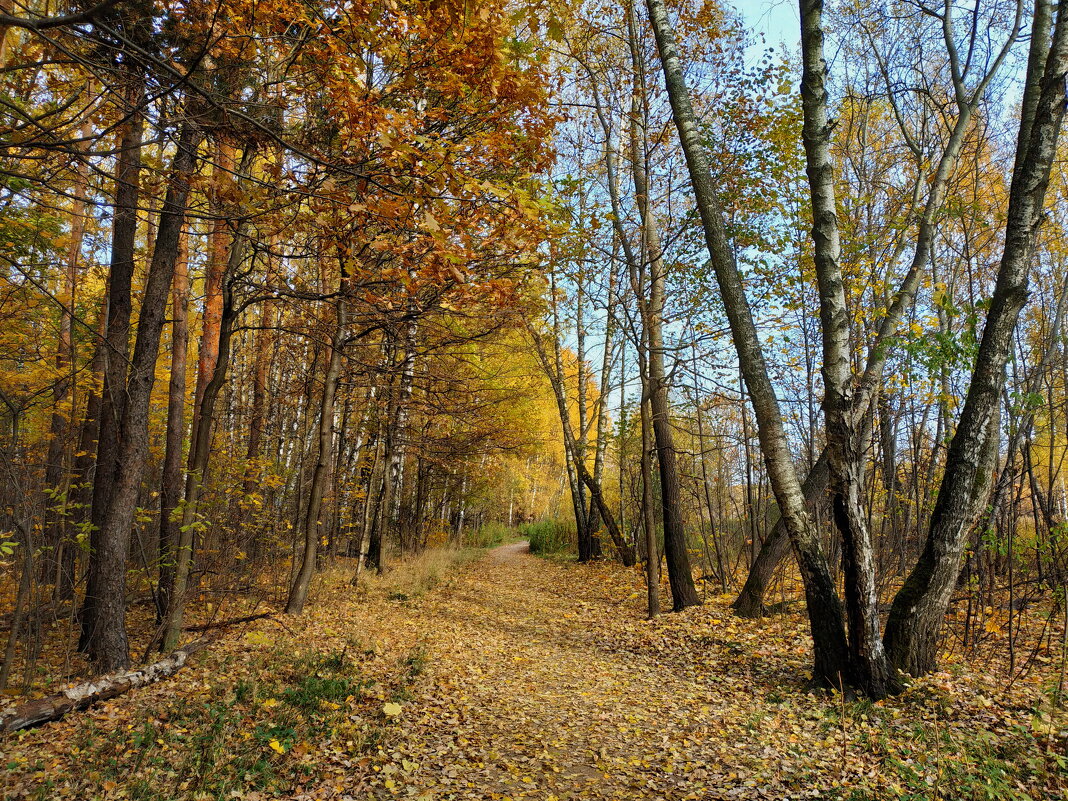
{"x":518,"y":677}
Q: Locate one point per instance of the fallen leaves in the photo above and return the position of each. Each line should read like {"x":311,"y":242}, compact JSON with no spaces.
{"x":521,"y":678}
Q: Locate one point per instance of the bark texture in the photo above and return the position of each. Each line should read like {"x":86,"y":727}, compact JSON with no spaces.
{"x":115,"y":346}
{"x":824,"y":607}
{"x":869,"y":666}
{"x":915,"y":622}
{"x":108,"y":643}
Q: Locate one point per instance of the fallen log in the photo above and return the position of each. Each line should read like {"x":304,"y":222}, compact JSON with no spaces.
{"x":82,"y":696}
{"x":220,"y":624}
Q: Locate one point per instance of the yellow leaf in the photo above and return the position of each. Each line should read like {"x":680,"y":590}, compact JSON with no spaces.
{"x":391,"y":710}
{"x":277,"y":746}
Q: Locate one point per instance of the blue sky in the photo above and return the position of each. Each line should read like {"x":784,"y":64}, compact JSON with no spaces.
{"x":776,"y":19}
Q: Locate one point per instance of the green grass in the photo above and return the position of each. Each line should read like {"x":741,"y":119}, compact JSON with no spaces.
{"x":251,"y":732}
{"x":489,"y":536}
{"x":923,"y":761}
{"x":549,"y":537}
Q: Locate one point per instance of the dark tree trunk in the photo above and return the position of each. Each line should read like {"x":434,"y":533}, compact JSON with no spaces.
{"x":776,"y":546}
{"x":298,"y":593}
{"x":81,"y":492}
{"x":57,"y":501}
{"x":108,"y":643}
{"x":116,"y":344}
{"x":171,"y":481}
{"x":676,"y":550}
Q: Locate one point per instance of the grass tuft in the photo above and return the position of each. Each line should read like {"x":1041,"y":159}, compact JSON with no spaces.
{"x":549,"y":537}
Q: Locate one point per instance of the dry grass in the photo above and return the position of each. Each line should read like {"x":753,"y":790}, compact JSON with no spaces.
{"x":408,"y":576}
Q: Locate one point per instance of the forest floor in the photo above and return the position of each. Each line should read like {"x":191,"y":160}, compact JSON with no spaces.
{"x":518,"y":677}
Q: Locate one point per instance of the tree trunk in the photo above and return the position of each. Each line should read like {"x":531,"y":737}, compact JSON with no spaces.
{"x":575,"y":452}
{"x":116,"y":344}
{"x":870,"y":669}
{"x":298,"y":593}
{"x":776,"y":545}
{"x":824,"y":608}
{"x":81,"y":491}
{"x":57,"y":501}
{"x":601,"y":409}
{"x":588,"y":545}
{"x":200,"y":451}
{"x":219,"y":245}
{"x":54,"y":707}
{"x":676,"y":551}
{"x":721,"y":568}
{"x":261,"y":370}
{"x":582,"y":473}
{"x":171,"y":481}
{"x":750,"y":602}
{"x":397,"y":444}
{"x":108,"y":643}
{"x":652,"y":550}
{"x":213,"y":362}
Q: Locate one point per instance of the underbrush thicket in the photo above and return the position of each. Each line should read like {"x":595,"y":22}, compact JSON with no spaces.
{"x":489,"y":535}
{"x":417,"y":573}
{"x":549,"y":536}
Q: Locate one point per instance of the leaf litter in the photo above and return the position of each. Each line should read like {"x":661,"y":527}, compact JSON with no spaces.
{"x":523,"y":678}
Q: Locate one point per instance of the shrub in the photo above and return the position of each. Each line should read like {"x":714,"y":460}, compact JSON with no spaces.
{"x":549,"y":536}
{"x":489,"y":536}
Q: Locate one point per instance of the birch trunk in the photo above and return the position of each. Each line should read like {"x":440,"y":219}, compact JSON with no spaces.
{"x":825,"y":613}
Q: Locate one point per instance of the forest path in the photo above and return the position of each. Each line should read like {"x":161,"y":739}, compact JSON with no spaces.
{"x":542,"y":684}
{"x":515,"y":677}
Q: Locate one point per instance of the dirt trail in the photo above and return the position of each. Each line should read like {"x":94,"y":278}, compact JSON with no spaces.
{"x":517,"y":677}
{"x":534,"y":690}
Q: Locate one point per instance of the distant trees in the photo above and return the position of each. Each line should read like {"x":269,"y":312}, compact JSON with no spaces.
{"x":341,"y":241}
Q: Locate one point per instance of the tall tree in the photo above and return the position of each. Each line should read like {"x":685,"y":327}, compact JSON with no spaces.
{"x":832,"y":663}
{"x":870,"y":667}
{"x":916,"y":616}
{"x":108,"y":643}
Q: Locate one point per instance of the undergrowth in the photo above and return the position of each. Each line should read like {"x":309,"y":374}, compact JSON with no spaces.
{"x":549,"y":537}
{"x":944,"y":763}
{"x":418,"y":573}
{"x":925,"y":757}
{"x":259,"y":729}
{"x":489,"y":535}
